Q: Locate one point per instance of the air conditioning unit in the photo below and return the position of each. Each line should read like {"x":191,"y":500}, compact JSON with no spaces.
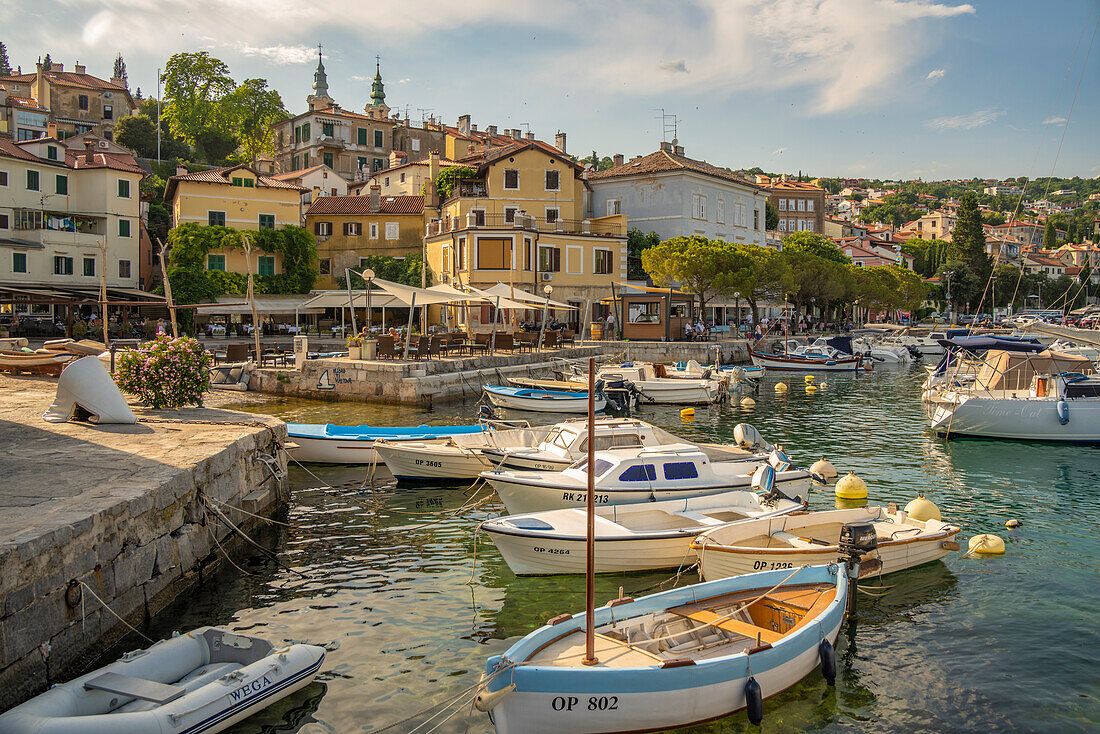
{"x":547,"y":276}
{"x":104,"y":144}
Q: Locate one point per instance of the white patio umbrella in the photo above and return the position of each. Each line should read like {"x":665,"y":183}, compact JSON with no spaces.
{"x":412,"y":296}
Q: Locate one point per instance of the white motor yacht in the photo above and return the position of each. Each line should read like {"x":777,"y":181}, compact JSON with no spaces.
{"x":653,"y":386}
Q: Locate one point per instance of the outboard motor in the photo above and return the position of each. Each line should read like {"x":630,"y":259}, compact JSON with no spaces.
{"x":485,"y":412}
{"x":857,"y":539}
{"x":763,"y":479}
{"x":779,"y":459}
{"x":747,"y":437}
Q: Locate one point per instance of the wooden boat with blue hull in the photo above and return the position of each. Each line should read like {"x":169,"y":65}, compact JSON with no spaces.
{"x":671,"y":659}
{"x":331,"y":444}
{"x":541,"y":401}
{"x":198,"y":683}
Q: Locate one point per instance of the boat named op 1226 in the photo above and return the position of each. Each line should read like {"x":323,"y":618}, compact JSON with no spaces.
{"x":198,"y":683}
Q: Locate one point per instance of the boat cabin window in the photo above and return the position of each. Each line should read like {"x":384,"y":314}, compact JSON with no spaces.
{"x":639,"y":473}
{"x":615,"y":441}
{"x":602,"y":466}
{"x":681,"y":470}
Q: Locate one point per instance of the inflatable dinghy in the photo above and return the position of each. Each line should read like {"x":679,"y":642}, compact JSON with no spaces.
{"x":85,"y":390}
{"x":201,"y":682}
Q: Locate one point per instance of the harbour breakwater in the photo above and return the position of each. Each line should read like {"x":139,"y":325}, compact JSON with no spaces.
{"x":431,"y":381}
{"x":123,"y":516}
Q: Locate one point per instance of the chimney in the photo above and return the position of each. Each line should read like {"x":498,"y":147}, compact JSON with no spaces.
{"x":678,"y":149}
{"x":57,"y":66}
{"x":530,"y":136}
{"x":80,"y":68}
{"x":51,"y":130}
{"x":375,"y":197}
{"x":181,"y":171}
{"x":396,"y":158}
{"x":473,"y":129}
{"x":492,"y":129}
{"x":617,"y":159}
{"x":666,"y":147}
{"x":89,"y":152}
{"x":318,"y":192}
{"x":517,"y":134}
{"x":559,"y":141}
{"x":464,"y":124}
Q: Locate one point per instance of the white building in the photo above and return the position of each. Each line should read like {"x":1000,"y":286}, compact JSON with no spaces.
{"x":58,"y":204}
{"x":673,"y":195}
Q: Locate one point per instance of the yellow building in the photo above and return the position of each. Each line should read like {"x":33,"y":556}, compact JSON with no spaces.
{"x":522,"y":221}
{"x":351,"y":228}
{"x":237,"y":197}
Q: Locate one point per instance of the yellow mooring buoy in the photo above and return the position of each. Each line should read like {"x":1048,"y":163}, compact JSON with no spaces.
{"x":808,"y":379}
{"x":1013,"y":523}
{"x":922,"y":509}
{"x":747,"y":402}
{"x":781,"y":387}
{"x":687,"y":413}
{"x":851,"y":487}
{"x":986,"y":544}
{"x":811,"y":389}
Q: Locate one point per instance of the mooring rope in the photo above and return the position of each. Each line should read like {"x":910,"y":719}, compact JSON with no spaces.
{"x":446,"y":702}
{"x":132,"y":628}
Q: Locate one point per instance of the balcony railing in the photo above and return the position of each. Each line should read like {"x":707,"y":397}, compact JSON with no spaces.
{"x":524,"y":222}
{"x":469,"y":189}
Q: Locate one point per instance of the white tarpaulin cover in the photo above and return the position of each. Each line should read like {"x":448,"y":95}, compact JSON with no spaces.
{"x":505,"y":290}
{"x":406,"y":294}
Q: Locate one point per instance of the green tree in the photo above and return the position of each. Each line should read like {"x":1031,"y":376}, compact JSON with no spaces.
{"x":448,"y":177}
{"x":815,"y":244}
{"x":5,"y":65}
{"x":119,"y":71}
{"x":707,"y":268}
{"x":993,"y":218}
{"x":47,"y":64}
{"x":405,"y":270}
{"x":767,"y":277}
{"x":771,"y":216}
{"x":1050,"y":236}
{"x":638,"y":242}
{"x":968,"y":237}
{"x":814,"y":279}
{"x":911,"y":288}
{"x":251,"y":109}
{"x":217,"y":144}
{"x":832,"y":185}
{"x":194,"y":85}
{"x":139,"y":134}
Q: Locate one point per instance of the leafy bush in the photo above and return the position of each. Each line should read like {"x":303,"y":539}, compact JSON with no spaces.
{"x":165,"y":373}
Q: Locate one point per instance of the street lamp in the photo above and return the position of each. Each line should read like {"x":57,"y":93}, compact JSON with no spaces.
{"x":368,"y":276}
{"x":737,"y":307}
{"x":947,"y":274}
{"x":547,"y":289}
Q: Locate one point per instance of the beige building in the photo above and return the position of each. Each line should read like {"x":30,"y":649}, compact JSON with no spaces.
{"x":933,"y":226}
{"x":351,"y":143}
{"x":801,"y":206}
{"x":351,"y":228}
{"x":57,"y":205}
{"x":521,"y":220}
{"x":77,"y":101}
{"x":236,"y":197}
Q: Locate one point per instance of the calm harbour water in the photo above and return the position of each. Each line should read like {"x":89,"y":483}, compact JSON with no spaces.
{"x":969,"y":644}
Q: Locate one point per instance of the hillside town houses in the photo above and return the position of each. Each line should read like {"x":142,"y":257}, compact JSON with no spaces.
{"x":527,"y":213}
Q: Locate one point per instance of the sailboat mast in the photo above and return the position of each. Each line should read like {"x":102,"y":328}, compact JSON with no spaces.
{"x":590,"y":545}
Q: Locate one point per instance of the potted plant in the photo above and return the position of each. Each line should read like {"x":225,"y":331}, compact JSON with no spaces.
{"x":355,"y":345}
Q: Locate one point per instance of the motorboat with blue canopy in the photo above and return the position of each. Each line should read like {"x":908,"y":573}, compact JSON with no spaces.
{"x":326,"y":443}
{"x":960,"y":359}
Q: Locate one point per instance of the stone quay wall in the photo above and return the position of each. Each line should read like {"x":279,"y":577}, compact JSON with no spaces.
{"x":120,"y":508}
{"x":410,"y":383}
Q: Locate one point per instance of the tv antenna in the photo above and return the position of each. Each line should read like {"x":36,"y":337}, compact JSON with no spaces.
{"x":669,"y":123}
{"x":423,"y":114}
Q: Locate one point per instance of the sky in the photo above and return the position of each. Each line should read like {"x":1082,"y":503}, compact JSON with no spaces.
{"x":931,"y":89}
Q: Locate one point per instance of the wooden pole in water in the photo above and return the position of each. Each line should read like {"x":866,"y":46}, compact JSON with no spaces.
{"x":590,"y":544}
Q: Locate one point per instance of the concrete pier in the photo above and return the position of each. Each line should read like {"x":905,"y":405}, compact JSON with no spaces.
{"x":119,"y":508}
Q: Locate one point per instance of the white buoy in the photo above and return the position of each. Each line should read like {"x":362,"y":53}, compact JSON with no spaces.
{"x":747,"y":402}
{"x":1013,"y":523}
{"x":823,"y":468}
{"x":851,"y":487}
{"x":822,"y":385}
{"x":986,"y":544}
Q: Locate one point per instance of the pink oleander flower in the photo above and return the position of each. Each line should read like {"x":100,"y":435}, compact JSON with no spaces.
{"x":166,"y":372}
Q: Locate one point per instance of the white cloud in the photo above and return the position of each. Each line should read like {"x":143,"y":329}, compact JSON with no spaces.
{"x":936,"y":74}
{"x":969,"y":121}
{"x":833,"y":54}
{"x":779,"y":151}
{"x":404,"y":80}
{"x":278,"y":54}
{"x":1056,"y":120}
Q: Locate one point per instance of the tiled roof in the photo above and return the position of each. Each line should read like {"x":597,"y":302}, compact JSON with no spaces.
{"x":115,"y":161}
{"x":296,"y":174}
{"x":361,"y":205}
{"x":493,"y":155}
{"x":223,"y":176}
{"x":10,"y":149}
{"x":796,"y":186}
{"x":663,"y":161}
{"x":27,"y":102}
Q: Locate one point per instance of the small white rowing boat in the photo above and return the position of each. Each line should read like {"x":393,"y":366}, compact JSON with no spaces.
{"x":792,"y":541}
{"x":542,"y":401}
{"x":623,"y":476}
{"x":198,"y":683}
{"x":636,"y":537}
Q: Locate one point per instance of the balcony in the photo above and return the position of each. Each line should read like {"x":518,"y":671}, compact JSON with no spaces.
{"x":499,"y":222}
{"x":469,"y":189}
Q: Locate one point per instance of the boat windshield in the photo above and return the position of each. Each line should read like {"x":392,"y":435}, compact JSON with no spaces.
{"x":602,"y":466}
{"x":614,"y":441}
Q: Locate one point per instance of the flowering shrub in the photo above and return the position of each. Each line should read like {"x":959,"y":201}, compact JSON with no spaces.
{"x":166,"y":372}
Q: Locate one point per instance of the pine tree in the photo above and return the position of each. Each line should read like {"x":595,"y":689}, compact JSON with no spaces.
{"x":968,"y":237}
{"x":120,"y":69}
{"x":1050,"y":237}
{"x":46,"y":63}
{"x":5,"y":66}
